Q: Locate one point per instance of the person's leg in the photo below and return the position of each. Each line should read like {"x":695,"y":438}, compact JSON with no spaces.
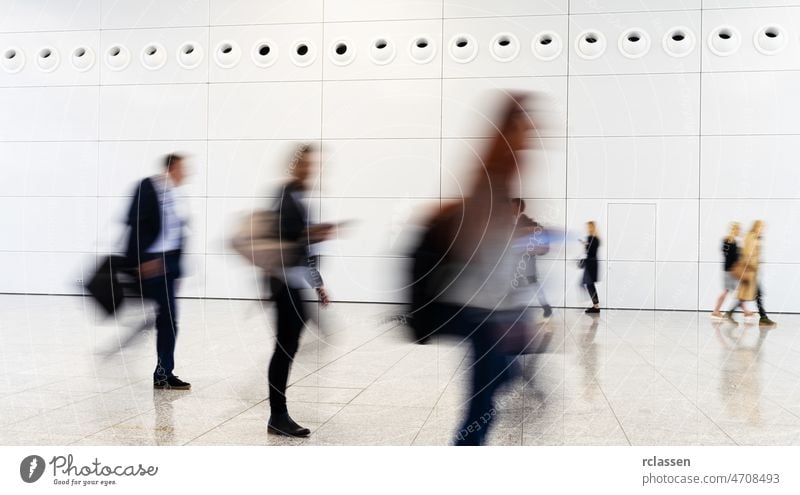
{"x":490,"y":369}
{"x":720,"y":300}
{"x":137,"y":330}
{"x":162,"y":291}
{"x":762,"y":312}
{"x":548,"y":310}
{"x":481,"y":408}
{"x":290,"y":323}
{"x":167,"y":331}
{"x":760,"y":303}
{"x":592,"y":290}
{"x":729,"y":313}
{"x":593,"y":295}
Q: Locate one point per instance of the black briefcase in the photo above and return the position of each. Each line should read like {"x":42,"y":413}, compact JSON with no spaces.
{"x":111,"y":282}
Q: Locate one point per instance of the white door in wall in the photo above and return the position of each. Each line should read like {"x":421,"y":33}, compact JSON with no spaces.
{"x":631,"y":253}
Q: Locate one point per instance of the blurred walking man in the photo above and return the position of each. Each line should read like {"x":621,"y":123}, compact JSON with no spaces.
{"x":154,"y":245}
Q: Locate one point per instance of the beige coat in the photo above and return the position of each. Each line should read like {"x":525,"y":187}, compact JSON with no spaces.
{"x":748,"y":261}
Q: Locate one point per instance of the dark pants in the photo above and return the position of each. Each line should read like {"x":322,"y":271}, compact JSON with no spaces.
{"x":592,"y":293}
{"x":760,"y":303}
{"x":161,"y":289}
{"x":291,"y":319}
{"x":762,"y":312}
{"x":491,"y":368}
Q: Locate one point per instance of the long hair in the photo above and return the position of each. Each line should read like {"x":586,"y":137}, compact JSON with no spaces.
{"x":500,"y":161}
{"x":485,"y":208}
{"x":592,"y":228}
{"x":734,"y":229}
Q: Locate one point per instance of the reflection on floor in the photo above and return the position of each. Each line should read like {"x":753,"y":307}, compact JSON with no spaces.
{"x":627,"y":378}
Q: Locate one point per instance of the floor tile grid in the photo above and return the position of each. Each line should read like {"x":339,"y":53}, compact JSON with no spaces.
{"x":677,"y":389}
{"x":297,"y":380}
{"x":600,"y":388}
{"x":439,"y":398}
{"x":386,"y":371}
{"x":730,"y":355}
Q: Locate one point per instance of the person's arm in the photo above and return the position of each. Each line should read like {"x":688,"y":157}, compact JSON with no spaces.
{"x":144,"y":222}
{"x":323,"y":296}
{"x":593,"y":245}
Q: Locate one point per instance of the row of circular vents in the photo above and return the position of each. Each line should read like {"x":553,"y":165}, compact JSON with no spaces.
{"x":463,"y":48}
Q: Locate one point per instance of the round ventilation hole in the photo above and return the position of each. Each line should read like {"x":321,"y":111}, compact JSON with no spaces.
{"x":342,"y":52}
{"x":504,"y":47}
{"x":154,"y":56}
{"x":422,"y":50}
{"x":634,"y":43}
{"x":117,"y":57}
{"x":303,"y":53}
{"x":546,"y":45}
{"x":264,"y":54}
{"x":47,"y":59}
{"x":463,"y":48}
{"x":590,"y":44}
{"x":382,"y":51}
{"x":770,"y":40}
{"x":82,"y":58}
{"x":227,"y":54}
{"x":724,"y":41}
{"x":12,"y":60}
{"x":190,"y":55}
{"x":678,"y":42}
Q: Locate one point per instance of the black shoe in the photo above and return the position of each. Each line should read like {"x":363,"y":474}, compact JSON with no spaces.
{"x":593,"y":311}
{"x":764,"y":321}
{"x":283,"y":424}
{"x":548,"y":312}
{"x":171,"y":383}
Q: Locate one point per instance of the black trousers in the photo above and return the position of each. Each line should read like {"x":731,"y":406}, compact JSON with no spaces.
{"x":291,"y":319}
{"x":592,"y":293}
{"x":161,"y":289}
{"x":760,"y":303}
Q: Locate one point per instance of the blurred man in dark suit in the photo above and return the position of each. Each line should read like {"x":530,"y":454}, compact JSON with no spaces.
{"x":155,"y":244}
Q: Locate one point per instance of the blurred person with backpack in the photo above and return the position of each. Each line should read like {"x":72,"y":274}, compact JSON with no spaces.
{"x":463,"y":270}
{"x":295,"y":270}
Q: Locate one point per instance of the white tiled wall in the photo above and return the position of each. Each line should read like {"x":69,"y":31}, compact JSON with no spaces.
{"x":677,"y":146}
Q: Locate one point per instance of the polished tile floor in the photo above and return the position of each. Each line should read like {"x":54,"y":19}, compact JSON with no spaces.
{"x":626,"y":378}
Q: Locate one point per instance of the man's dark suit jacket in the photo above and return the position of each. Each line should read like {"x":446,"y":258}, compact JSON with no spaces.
{"x":144,"y":222}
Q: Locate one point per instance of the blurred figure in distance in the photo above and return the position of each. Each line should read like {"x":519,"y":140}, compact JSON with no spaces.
{"x":535,"y":244}
{"x":747,"y":270}
{"x":730,"y":252}
{"x":590,"y":266}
